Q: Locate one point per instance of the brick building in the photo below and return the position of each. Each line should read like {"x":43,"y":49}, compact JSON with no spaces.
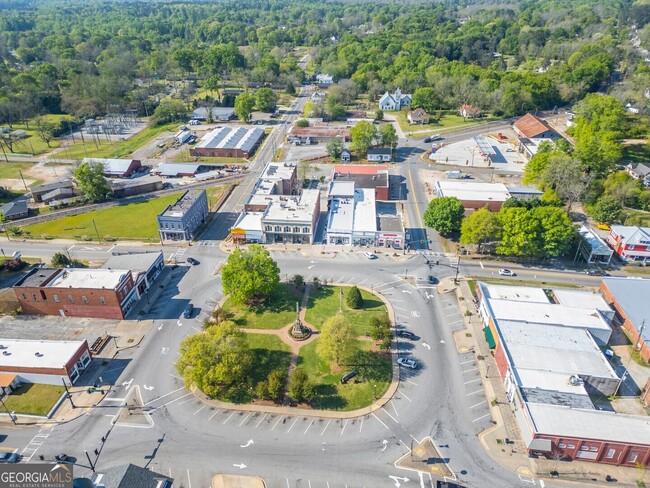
{"x":628,"y":297}
{"x":99,"y":293}
{"x":44,"y":362}
{"x":370,"y":176}
{"x":229,"y":142}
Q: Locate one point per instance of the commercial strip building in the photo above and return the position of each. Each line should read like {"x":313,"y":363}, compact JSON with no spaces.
{"x":145,"y":267}
{"x":631,"y":243}
{"x":117,"y":168}
{"x":629,"y":298}
{"x":229,"y":142}
{"x":369,"y":176}
{"x":547,"y":346}
{"x":43,"y":362}
{"x":179,"y":221}
{"x":475,"y":195}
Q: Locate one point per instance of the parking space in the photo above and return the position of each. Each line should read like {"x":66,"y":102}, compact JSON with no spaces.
{"x":475,"y":393}
{"x":451,"y":312}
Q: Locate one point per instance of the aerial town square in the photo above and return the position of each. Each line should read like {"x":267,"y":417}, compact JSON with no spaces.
{"x":334,"y":244}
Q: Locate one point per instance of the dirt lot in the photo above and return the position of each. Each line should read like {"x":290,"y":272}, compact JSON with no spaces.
{"x":298,"y":153}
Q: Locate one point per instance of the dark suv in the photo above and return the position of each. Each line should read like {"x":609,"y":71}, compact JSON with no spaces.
{"x":406,"y":333}
{"x":189,"y":310}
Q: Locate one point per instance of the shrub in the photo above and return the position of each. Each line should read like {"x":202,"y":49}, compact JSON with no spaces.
{"x":354,"y":299}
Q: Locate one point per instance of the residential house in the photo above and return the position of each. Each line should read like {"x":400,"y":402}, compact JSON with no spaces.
{"x":318,"y":97}
{"x":380,"y":154}
{"x":395,"y":101}
{"x":15,"y":210}
{"x":346,"y":156}
{"x":631,"y":243}
{"x":38,"y":191}
{"x":323,"y":81}
{"x":178,"y":222}
{"x":418,"y":116}
{"x":469,"y":111}
{"x":639,"y":171}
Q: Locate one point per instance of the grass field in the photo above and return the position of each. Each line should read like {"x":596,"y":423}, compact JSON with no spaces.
{"x":325,"y":302}
{"x":280,"y":311}
{"x":33,"y":399}
{"x":269,"y":353}
{"x":33,"y":144}
{"x":374,"y":376}
{"x":12,"y":170}
{"x":112,"y":149}
{"x":131,"y":221}
{"x":446,"y":122}
{"x":213,"y":193}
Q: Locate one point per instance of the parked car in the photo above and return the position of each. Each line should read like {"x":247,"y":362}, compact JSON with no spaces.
{"x":4,"y":455}
{"x":436,"y":137}
{"x":506,"y":272}
{"x":189,"y":310}
{"x":406,"y":333}
{"x":432,"y":280}
{"x":348,"y":376}
{"x":427,"y":140}
{"x":407,"y":363}
{"x":370,"y":255}
{"x":14,"y":458}
{"x":596,"y":272}
{"x":61,"y":457}
{"x":192,"y":261}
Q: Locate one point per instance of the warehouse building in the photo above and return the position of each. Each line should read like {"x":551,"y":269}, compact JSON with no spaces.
{"x":555,"y":373}
{"x":135,"y":186}
{"x":43,"y":362}
{"x":117,"y":168}
{"x":474,"y":195}
{"x":229,"y":142}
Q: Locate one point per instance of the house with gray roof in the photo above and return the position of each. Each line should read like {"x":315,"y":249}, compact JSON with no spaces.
{"x":639,"y":171}
{"x":395,"y":101}
{"x":216,"y":114}
{"x":15,"y":210}
{"x":131,"y":476}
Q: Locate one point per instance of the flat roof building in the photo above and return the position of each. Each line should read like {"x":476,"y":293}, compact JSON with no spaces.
{"x":364,"y":176}
{"x":292,"y":219}
{"x":44,"y":362}
{"x":117,"y":168}
{"x":179,"y":221}
{"x":474,"y":195}
{"x":134,"y":186}
{"x":230,"y":142}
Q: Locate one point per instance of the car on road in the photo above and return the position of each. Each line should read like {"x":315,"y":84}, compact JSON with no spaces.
{"x":436,"y":137}
{"x":596,"y":272}
{"x":192,"y":261}
{"x":61,"y":457}
{"x":506,"y":272}
{"x":432,"y":280}
{"x":348,"y":376}
{"x":406,"y":333}
{"x":189,"y":310}
{"x":370,"y":255}
{"x":407,"y":363}
{"x":427,"y":140}
{"x":4,"y":455}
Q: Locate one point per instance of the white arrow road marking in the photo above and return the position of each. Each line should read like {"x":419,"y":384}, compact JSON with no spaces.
{"x":179,"y":323}
{"x":385,"y":443}
{"x":397,"y":480}
{"x":164,"y":350}
{"x":240,"y":466}
{"x":406,"y":291}
{"x":148,"y":388}
{"x":415,"y":313}
{"x":541,"y":483}
{"x":442,"y":342}
{"x":127,"y":383}
{"x":250,"y":441}
{"x":310,"y":267}
{"x":160,"y":326}
{"x":426,"y":345}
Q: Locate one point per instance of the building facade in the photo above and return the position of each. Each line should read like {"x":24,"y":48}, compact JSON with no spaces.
{"x":380,"y":154}
{"x":395,"y":101}
{"x":292,"y":219}
{"x":77,"y":292}
{"x":630,"y":243}
{"x":178,"y":222}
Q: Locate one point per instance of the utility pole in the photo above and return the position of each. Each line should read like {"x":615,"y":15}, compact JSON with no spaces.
{"x":11,"y":415}
{"x":638,"y":344}
{"x":21,"y":177}
{"x":68,"y":393}
{"x":92,"y":466}
{"x":96,"y":232}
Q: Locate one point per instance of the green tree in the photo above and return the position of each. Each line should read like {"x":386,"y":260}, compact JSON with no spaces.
{"x":380,"y":331}
{"x":379,"y":115}
{"x":45,"y":130}
{"x":335,"y":148}
{"x":534,"y":170}
{"x":624,"y":189}
{"x":354,"y":298}
{"x":566,"y":176}
{"x":90,"y":180}
{"x":520,"y":233}
{"x":60,"y":260}
{"x":388,"y":135}
{"x":480,"y":227}
{"x":301,"y":389}
{"x":337,"y":341}
{"x":290,"y":89}
{"x":250,"y":274}
{"x":337,"y":111}
{"x":606,"y":210}
{"x":298,"y":281}
{"x":265,"y":100}
{"x":244,"y":105}
{"x":363,"y":136}
{"x":212,"y":84}
{"x":217,"y":361}
{"x":444,"y":214}
{"x":426,"y":98}
{"x":556,"y":231}
{"x":275,"y":384}
{"x":302,"y":123}
{"x":168,"y":110}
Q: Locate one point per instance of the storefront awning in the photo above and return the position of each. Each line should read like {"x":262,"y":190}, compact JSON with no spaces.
{"x":489,"y":337}
{"x":543,"y":445}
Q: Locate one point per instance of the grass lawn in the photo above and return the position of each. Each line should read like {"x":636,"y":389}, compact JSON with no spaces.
{"x":446,"y":122}
{"x":324,"y":303}
{"x":279,"y":311}
{"x":34,"y":399}
{"x":112,"y":149}
{"x":131,"y":221}
{"x":12,"y":170}
{"x":375,"y":374}
{"x":636,"y":217}
{"x":214,"y":192}
{"x":32,"y":144}
{"x":269,"y":353}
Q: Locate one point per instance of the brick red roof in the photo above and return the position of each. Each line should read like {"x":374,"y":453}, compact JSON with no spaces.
{"x":470,"y":109}
{"x":531,"y":126}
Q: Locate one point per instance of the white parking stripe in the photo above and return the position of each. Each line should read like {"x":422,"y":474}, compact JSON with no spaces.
{"x":361,"y":426}
{"x":261,"y":420}
{"x":245,"y":418}
{"x":215,"y":413}
{"x":200,"y":409}
{"x":466,"y":362}
{"x":343,"y":429}
{"x":384,"y":410}
{"x":480,"y":418}
{"x":276,"y":424}
{"x":475,"y":392}
{"x":229,"y":417}
{"x":328,"y":424}
{"x":404,"y":395}
{"x":382,"y":423}
{"x":294,"y":423}
{"x":312,"y":421}
{"x":472,"y":381}
{"x":479,"y":403}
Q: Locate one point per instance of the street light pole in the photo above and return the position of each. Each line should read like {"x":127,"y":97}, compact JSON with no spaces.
{"x":68,"y":393}
{"x":11,"y":415}
{"x":92,"y":466}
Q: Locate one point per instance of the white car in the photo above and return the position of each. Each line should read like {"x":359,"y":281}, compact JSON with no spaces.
{"x":407,"y":363}
{"x":506,"y":272}
{"x":370,"y":255}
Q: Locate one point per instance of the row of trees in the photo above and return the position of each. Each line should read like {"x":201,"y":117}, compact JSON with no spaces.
{"x":536,"y":228}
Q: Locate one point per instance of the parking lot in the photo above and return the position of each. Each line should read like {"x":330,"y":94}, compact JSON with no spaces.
{"x":467,"y":154}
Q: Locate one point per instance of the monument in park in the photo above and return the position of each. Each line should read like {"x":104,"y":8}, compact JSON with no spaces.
{"x":299,"y":331}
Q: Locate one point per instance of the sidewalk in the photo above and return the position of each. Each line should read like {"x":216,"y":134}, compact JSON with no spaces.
{"x":503,"y":441}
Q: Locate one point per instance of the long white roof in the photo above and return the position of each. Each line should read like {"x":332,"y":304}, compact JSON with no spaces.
{"x":23,"y":353}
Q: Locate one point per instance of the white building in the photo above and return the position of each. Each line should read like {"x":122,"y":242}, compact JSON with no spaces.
{"x":395,"y":101}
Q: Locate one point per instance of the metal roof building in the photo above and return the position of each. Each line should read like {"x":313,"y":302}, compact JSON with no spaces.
{"x":234,"y":142}
{"x":592,"y":248}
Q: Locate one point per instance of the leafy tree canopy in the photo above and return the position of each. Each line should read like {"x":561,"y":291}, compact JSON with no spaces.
{"x":249,"y":274}
{"x":444,"y":214}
